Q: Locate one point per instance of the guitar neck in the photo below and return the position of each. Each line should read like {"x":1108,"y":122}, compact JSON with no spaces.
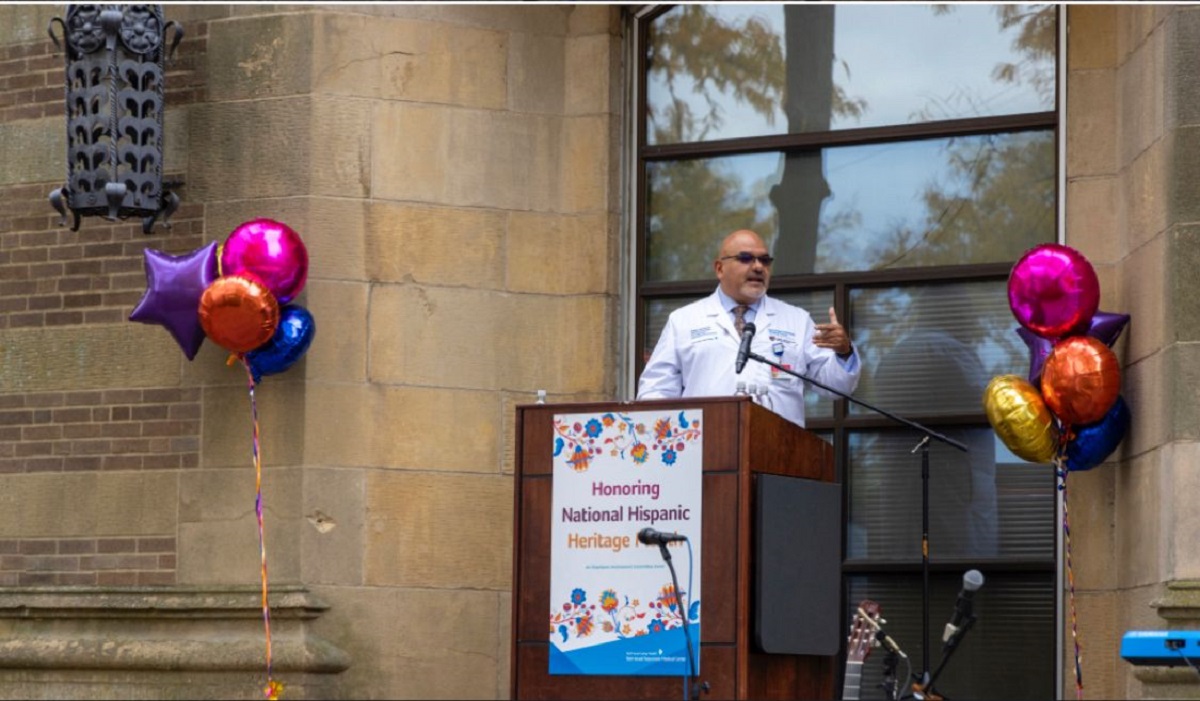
{"x":852,"y":682}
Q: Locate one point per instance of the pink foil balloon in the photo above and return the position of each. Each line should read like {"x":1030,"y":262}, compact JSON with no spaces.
{"x":271,"y":252}
{"x":1053,"y":289}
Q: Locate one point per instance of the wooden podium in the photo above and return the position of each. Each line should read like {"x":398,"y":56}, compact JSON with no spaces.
{"x":742,"y":442}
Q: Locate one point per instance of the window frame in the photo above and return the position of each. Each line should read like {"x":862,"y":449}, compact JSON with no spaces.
{"x":841,"y":422}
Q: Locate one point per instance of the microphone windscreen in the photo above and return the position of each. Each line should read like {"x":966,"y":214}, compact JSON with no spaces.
{"x":972,"y":580}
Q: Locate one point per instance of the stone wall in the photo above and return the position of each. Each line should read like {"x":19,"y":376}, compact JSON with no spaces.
{"x":453,"y":172}
{"x":1131,"y":203}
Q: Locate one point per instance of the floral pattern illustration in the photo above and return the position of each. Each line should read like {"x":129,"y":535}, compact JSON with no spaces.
{"x":620,"y":436}
{"x":614,"y":616}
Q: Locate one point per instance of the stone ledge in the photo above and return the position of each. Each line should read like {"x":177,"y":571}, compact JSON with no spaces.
{"x":1181,"y":602}
{"x":157,"y":602}
{"x":146,"y":642}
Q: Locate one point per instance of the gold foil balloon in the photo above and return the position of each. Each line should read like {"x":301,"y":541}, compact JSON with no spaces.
{"x":1081,"y":380}
{"x":238,"y":313}
{"x":1020,"y":418}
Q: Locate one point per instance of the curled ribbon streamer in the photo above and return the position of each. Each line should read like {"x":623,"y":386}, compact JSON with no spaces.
{"x":273,"y":688}
{"x":1060,"y":470}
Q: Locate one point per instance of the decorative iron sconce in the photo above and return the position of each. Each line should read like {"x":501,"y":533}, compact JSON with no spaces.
{"x":114,"y":96}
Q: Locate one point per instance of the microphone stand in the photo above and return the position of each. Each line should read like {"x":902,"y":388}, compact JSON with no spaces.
{"x":923,"y":446}
{"x":927,"y":691}
{"x":691,"y":676}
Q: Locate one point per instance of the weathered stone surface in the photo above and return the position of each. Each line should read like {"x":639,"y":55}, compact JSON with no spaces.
{"x":1140,"y":83}
{"x":35,"y":150}
{"x":278,"y":147}
{"x":1092,"y":500}
{"x":495,"y":341}
{"x":557,"y":254}
{"x":436,"y":245}
{"x":408,"y":544}
{"x":338,"y":352}
{"x":148,"y":643}
{"x":228,"y":424}
{"x":58,"y":358}
{"x":1181,"y":303}
{"x":334,"y":528}
{"x":530,"y":19}
{"x":416,"y":644}
{"x":87,"y":504}
{"x":400,"y":59}
{"x":451,"y":156}
{"x":218,"y":528}
{"x":535,"y":73}
{"x":405,"y":427}
{"x":1140,"y":542}
{"x":21,"y":23}
{"x":592,"y":75}
{"x":261,"y":56}
{"x":1092,"y":123}
{"x":1092,"y":36}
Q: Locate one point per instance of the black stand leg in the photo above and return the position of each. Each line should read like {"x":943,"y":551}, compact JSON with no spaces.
{"x":923,"y":446}
{"x":691,"y":676}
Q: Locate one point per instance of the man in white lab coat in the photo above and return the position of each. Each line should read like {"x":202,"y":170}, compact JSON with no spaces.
{"x":697,"y":352}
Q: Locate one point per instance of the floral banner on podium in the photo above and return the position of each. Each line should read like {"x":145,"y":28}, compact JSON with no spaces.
{"x":613,"y":605}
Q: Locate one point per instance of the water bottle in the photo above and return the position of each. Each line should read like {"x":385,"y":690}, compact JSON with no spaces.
{"x":741,"y":389}
{"x":541,"y":396}
{"x":764,"y":398}
{"x":754,"y":392}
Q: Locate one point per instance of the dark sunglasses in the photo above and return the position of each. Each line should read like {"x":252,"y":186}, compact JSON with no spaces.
{"x":748,"y":258}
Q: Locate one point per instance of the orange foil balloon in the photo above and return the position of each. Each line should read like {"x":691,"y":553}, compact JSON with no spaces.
{"x":1020,"y":418}
{"x":238,"y":313}
{"x":1081,"y":380}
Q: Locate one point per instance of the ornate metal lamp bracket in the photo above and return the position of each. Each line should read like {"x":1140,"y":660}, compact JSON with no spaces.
{"x":113,"y":86}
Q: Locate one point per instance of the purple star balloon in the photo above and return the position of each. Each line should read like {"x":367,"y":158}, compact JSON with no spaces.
{"x":1103,"y":326}
{"x":1107,"y":327}
{"x":174,"y":285}
{"x":1039,"y":350}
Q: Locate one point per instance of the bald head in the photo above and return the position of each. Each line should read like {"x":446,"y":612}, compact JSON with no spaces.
{"x":744,"y":282}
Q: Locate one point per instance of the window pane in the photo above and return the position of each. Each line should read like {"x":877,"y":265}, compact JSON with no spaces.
{"x":986,"y":503}
{"x":979,"y":199}
{"x":932,"y":349}
{"x":726,"y":70}
{"x":1007,"y":654}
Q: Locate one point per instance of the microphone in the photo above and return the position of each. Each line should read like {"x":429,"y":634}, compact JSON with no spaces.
{"x":891,"y":645}
{"x":744,"y":350}
{"x":649,"y":536}
{"x":972,"y":580}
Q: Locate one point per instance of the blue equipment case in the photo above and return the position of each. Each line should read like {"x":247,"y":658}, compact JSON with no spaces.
{"x":1166,"y":648}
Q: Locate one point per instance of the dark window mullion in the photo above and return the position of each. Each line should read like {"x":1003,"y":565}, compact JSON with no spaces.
{"x":814,"y":141}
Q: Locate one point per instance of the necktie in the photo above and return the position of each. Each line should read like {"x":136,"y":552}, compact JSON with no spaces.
{"x":739,"y":318}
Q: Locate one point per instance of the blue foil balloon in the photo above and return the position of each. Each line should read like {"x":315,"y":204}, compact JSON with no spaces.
{"x":1093,"y":443}
{"x":290,"y":342}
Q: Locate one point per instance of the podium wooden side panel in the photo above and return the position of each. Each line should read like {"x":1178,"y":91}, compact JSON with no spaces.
{"x":740,"y":440}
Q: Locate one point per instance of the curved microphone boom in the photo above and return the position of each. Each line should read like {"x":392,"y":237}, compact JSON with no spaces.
{"x":649,"y":536}
{"x":744,"y":350}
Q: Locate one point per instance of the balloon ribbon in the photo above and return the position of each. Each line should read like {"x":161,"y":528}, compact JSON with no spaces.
{"x":274,"y":688}
{"x":1060,"y":469}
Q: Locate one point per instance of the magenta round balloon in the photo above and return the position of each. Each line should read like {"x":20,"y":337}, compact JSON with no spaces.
{"x":270,"y":251}
{"x":1053,"y":289}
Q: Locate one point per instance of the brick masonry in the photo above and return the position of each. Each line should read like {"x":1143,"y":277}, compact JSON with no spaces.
{"x":87,"y":562}
{"x":51,"y":276}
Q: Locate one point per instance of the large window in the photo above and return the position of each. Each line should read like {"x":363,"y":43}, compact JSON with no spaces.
{"x":897,"y":159}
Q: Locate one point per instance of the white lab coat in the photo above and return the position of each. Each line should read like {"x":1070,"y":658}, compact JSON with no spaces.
{"x":697,"y":352}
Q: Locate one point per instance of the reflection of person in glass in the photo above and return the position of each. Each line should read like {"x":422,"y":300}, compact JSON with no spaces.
{"x":697,"y":352}
{"x":928,"y":365}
